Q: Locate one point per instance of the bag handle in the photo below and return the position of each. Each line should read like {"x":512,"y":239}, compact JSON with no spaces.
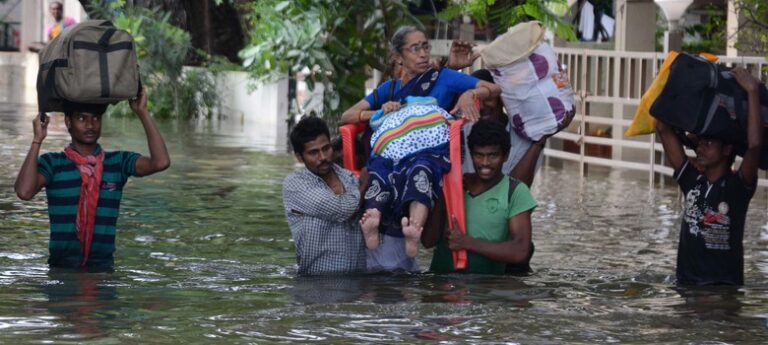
{"x":104,"y":40}
{"x":513,"y":182}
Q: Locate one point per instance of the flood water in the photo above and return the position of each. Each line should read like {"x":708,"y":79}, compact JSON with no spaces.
{"x":204,"y":256}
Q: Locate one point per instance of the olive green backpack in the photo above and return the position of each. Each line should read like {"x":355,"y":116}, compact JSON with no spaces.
{"x":91,"y":63}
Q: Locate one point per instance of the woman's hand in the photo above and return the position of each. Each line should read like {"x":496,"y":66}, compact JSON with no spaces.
{"x":390,"y":107}
{"x":461,"y":55}
{"x":466,"y":107}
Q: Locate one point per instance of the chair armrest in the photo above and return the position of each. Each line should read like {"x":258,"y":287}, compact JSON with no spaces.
{"x":348,"y":134}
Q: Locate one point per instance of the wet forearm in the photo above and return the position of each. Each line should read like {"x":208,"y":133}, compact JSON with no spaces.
{"x":159,"y":157}
{"x":673,"y":148}
{"x":512,"y":251}
{"x":26,"y":185}
{"x":525,"y":169}
{"x":754,"y":122}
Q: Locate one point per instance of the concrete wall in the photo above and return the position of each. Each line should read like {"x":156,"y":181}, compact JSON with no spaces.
{"x":18,"y":76}
{"x":259,"y":114}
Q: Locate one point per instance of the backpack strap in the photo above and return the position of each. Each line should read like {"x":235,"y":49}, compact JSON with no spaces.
{"x":523,"y":267}
{"x":513,"y":182}
{"x":739,"y":100}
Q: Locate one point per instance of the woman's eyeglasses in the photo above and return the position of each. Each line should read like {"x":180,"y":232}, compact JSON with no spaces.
{"x":416,"y":48}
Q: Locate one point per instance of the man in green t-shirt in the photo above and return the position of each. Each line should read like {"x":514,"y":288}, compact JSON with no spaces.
{"x":498,"y":211}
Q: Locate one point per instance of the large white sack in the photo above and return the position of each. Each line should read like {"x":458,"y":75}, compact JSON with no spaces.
{"x":517,"y":43}
{"x":536,"y":106}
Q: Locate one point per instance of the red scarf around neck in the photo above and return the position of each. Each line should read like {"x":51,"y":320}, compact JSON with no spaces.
{"x":91,"y":170}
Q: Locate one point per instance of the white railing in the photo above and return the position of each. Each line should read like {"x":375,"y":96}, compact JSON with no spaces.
{"x":608,"y":86}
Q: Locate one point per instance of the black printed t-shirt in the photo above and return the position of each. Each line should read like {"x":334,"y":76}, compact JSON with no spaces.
{"x":711,"y":250}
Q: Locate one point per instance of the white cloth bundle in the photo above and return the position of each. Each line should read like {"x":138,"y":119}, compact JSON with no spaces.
{"x":536,"y":94}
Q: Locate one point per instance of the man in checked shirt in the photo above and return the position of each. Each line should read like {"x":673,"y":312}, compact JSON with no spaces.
{"x":321,"y":202}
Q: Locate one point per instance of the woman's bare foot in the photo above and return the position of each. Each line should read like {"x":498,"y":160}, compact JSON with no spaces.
{"x":370,"y":225}
{"x":412,"y":237}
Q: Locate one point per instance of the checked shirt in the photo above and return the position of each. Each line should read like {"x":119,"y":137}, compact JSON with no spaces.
{"x":323,"y":224}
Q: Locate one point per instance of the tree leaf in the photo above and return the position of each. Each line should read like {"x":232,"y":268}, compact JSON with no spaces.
{"x":282,"y":5}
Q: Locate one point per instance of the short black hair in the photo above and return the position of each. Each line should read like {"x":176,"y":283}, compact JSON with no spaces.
{"x":484,"y":75}
{"x":70,"y":108}
{"x":72,"y":113}
{"x":308,"y":129}
{"x":489,"y":133}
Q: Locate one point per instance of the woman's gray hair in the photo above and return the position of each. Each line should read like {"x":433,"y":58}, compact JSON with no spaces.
{"x":398,"y":39}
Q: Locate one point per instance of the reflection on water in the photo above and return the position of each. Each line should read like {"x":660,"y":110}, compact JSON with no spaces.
{"x":83,"y":300}
{"x":204,"y":255}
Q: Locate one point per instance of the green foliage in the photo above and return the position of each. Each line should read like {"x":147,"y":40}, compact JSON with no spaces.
{"x":503,"y":14}
{"x":162,"y":49}
{"x":711,"y":34}
{"x":338,"y":40}
{"x":753,"y":28}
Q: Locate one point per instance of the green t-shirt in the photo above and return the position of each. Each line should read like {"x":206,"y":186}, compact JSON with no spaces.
{"x":487,"y":217}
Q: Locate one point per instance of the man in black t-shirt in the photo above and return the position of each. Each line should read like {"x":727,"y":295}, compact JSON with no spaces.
{"x":716,"y":198}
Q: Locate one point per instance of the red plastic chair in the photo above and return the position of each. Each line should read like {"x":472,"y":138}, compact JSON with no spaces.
{"x":453,"y":185}
{"x":349,"y":149}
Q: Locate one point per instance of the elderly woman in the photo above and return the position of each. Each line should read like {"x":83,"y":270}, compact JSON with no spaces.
{"x":402,"y":184}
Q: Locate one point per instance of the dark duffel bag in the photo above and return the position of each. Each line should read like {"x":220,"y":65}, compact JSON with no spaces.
{"x":702,"y":98}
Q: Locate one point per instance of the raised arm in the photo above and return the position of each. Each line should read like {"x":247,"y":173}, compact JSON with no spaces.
{"x":158,"y":159}
{"x":673,"y":149}
{"x":751,"y":160}
{"x":466,"y":102}
{"x":525,"y":169}
{"x":461,"y":55}
{"x":29,"y":181}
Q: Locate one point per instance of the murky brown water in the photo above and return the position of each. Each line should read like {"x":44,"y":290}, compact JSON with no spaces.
{"x":205,"y":256}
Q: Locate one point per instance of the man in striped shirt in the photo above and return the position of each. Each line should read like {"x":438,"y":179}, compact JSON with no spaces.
{"x":84,"y":184}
